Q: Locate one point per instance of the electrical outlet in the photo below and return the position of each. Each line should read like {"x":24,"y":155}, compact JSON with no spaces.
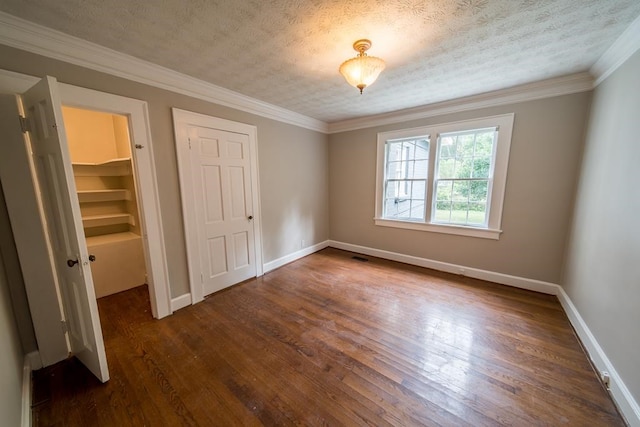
{"x":606,"y":379}
{"x":303,"y":244}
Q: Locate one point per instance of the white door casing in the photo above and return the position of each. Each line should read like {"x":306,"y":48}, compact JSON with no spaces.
{"x":145,"y":180}
{"x":218,"y":178}
{"x":42,"y":107}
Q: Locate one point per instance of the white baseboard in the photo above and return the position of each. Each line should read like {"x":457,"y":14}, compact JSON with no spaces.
{"x":272,"y":265}
{"x":32,"y":362}
{"x":476,"y":273}
{"x":180,"y":302}
{"x":621,"y":394}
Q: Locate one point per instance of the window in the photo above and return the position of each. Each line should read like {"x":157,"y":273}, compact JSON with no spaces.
{"x":447,"y":178}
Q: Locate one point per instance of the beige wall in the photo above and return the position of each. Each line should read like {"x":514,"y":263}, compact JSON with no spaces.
{"x":90,"y":135}
{"x":602,"y":275}
{"x":293,"y":162}
{"x":543,"y":166}
{"x":12,"y":358}
{"x":14,"y":280}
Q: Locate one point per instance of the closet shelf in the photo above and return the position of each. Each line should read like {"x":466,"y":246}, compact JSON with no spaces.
{"x":106,"y":239}
{"x":115,"y":167}
{"x":107,"y":219}
{"x":88,"y":196}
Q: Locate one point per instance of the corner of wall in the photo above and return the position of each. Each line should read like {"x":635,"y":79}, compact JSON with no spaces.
{"x":617,"y":388}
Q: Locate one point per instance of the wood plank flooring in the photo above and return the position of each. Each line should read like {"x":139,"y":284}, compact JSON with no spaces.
{"x":330,"y":340}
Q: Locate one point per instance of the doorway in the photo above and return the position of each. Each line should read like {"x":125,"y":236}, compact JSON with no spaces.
{"x":51,"y":325}
{"x":143,"y":174}
{"x":100,"y":150}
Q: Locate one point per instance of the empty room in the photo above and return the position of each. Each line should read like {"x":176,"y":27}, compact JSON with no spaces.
{"x":321,"y":212}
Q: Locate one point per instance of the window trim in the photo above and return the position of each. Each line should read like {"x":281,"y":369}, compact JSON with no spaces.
{"x":503,"y":122}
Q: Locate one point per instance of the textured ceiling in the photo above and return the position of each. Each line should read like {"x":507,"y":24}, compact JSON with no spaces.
{"x":287,"y":52}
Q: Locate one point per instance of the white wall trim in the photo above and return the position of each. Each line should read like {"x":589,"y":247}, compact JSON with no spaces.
{"x":28,"y":367}
{"x":476,"y":273}
{"x":21,"y":34}
{"x":272,"y":265}
{"x":180,"y":302}
{"x":565,"y":85}
{"x":616,"y":55}
{"x":619,"y":391}
{"x":12,"y":82}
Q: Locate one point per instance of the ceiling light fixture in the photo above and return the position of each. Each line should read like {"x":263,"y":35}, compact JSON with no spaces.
{"x":362,"y":70}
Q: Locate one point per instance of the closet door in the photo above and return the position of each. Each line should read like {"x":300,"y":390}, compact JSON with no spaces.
{"x":54,"y":173}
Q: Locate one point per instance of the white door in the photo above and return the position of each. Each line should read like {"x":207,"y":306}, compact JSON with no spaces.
{"x":220,"y":168}
{"x":41,"y":105}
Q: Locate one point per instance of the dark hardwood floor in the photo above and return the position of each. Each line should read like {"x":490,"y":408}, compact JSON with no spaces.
{"x":330,"y":340}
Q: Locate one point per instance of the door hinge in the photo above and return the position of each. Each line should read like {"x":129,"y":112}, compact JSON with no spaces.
{"x":139,"y":146}
{"x":65,"y":326}
{"x":189,"y":139}
{"x":24,"y":124}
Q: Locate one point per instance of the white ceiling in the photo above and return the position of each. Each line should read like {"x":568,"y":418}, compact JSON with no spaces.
{"x":287,"y":52}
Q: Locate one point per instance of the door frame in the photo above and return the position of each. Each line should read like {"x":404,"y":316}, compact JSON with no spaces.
{"x":146,"y":183}
{"x":182,"y":119}
{"x":149,"y":203}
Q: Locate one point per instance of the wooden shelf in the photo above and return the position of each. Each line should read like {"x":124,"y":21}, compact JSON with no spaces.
{"x":115,"y":167}
{"x":89,"y":196}
{"x":107,"y":219}
{"x":106,"y":239}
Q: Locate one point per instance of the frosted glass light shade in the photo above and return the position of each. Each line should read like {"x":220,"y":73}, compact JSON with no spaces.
{"x":362,"y":71}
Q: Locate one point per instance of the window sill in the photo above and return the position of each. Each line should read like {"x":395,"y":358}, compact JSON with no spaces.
{"x":484,"y":233}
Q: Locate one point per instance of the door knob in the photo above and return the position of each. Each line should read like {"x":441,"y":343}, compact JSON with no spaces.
{"x":92,"y":258}
{"x":250,"y":217}
{"x":72,"y":262}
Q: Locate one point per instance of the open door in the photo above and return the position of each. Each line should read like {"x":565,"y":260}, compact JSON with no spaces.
{"x":45,"y":126}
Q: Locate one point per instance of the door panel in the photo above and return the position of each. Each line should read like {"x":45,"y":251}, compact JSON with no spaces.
{"x":62,"y":211}
{"x":221,"y":175}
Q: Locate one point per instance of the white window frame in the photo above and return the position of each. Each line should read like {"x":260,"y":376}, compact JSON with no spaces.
{"x":504,"y":125}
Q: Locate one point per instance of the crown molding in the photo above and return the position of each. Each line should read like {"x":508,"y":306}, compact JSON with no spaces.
{"x":616,"y":55}
{"x":21,"y":34}
{"x":564,"y":85}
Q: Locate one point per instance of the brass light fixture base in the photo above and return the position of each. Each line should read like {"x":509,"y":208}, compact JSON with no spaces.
{"x":362,"y":45}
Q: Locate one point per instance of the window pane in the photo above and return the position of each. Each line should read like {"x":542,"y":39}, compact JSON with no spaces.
{"x":481,"y":167}
{"x":460,"y":191}
{"x":394,"y":150}
{"x":453,"y":205}
{"x":443,"y":211}
{"x":417,"y":209}
{"x":390,"y":208}
{"x":406,"y":173}
{"x":465,"y":145}
{"x":446,"y":166}
{"x":464,"y":166}
{"x":443,"y":190}
{"x":392,"y":189}
{"x":477,"y":213}
{"x":420,"y":169}
{"x":478,"y":191}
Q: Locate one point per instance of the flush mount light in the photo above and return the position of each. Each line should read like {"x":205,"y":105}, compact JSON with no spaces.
{"x":362,"y":70}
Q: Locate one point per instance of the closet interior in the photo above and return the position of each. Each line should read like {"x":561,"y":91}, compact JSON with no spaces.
{"x":100,"y":149}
